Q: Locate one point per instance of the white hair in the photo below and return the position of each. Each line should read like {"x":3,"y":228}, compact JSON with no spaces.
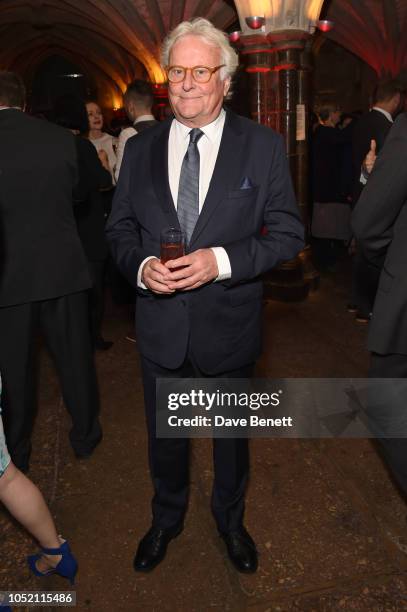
{"x":211,"y":35}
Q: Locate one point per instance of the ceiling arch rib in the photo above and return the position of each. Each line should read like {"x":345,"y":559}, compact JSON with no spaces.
{"x":84,"y":16}
{"x":112,"y":39}
{"x":128,"y":29}
{"x":100,"y":77}
{"x":365,"y":49}
{"x":112,"y":61}
{"x":156,"y":18}
{"x":176,"y":13}
{"x":222,"y":16}
{"x":85,"y":67}
{"x":373,"y":30}
{"x":67,"y":16}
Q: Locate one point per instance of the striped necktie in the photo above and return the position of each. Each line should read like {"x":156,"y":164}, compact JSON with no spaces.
{"x":188,"y":190}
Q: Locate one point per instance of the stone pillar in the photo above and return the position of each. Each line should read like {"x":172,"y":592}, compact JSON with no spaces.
{"x":292,"y":65}
{"x":278,"y":69}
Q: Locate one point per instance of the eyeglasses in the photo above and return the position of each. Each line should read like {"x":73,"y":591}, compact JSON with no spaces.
{"x":200,"y":74}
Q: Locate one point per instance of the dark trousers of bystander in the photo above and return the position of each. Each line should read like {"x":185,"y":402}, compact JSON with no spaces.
{"x":65,"y":324}
{"x":97,"y":298}
{"x":394,"y":450}
{"x":365,"y":279}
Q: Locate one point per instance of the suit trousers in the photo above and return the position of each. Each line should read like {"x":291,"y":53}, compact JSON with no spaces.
{"x":97,"y":297}
{"x":365,"y":280}
{"x":394,"y":450}
{"x":169,"y":459}
{"x":65,"y":324}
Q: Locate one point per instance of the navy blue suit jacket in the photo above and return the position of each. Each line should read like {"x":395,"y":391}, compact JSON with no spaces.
{"x":250,"y":190}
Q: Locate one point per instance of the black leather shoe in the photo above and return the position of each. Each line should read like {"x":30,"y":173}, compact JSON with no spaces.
{"x":102,"y":345}
{"x":86,"y":453}
{"x":361,"y":317}
{"x":153,"y":547}
{"x":241,"y":550}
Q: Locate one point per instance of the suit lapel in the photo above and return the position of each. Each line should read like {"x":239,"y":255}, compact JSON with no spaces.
{"x":227,"y":166}
{"x":159,"y":172}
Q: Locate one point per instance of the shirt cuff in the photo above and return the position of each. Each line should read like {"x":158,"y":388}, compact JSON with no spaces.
{"x":223,"y":261}
{"x":363,"y":177}
{"x":140,"y":283}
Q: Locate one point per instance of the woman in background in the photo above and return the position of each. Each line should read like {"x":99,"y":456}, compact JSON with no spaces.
{"x":331,"y":191}
{"x":94,"y":179}
{"x":101,"y":140}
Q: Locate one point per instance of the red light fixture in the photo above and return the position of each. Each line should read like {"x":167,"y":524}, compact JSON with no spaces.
{"x":256,"y":22}
{"x":324,"y":25}
{"x":234,"y":37}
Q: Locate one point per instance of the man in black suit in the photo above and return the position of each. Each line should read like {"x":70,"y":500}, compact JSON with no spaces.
{"x":222,"y":179}
{"x":372,"y":126}
{"x":138,"y":102}
{"x":380,"y":225}
{"x":43,"y":275}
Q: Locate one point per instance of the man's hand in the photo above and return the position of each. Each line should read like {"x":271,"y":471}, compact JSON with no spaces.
{"x":198,"y":268}
{"x":152,"y":276}
{"x":370,"y":158}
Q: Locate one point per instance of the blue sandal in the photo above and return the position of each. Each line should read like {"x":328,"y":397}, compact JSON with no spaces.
{"x":66,"y":568}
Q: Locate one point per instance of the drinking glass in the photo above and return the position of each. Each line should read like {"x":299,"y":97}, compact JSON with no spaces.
{"x":172,"y":244}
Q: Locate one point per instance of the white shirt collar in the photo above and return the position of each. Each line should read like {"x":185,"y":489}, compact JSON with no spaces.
{"x":144,"y":118}
{"x":384,"y":112}
{"x":211,"y":130}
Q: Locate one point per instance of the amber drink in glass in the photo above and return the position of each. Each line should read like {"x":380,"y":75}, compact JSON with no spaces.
{"x":172,"y":244}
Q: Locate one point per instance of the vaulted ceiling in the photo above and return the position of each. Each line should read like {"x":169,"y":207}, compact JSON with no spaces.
{"x":374,"y":30}
{"x":118,"y":40}
{"x":114,"y":40}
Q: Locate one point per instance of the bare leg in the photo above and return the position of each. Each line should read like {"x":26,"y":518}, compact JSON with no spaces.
{"x":26,"y":503}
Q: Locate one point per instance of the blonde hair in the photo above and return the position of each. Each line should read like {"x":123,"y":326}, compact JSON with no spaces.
{"x":211,"y":35}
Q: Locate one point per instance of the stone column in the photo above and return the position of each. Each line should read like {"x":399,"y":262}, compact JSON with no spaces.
{"x":278,"y":69}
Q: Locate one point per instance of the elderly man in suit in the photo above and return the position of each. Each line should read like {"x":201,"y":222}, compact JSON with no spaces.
{"x":380,"y":224}
{"x":44,"y":275}
{"x":224,"y":180}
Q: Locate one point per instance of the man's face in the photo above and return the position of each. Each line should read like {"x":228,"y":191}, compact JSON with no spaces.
{"x":196,"y":104}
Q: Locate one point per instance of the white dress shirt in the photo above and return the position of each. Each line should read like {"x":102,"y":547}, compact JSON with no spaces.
{"x":124,"y":135}
{"x":107,"y":143}
{"x":208,"y":146}
{"x":384,"y":112}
